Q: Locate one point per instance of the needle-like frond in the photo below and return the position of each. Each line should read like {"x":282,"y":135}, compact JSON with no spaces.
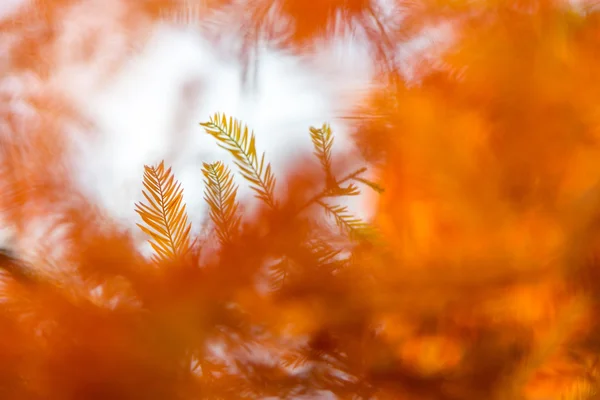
{"x":220,"y":194}
{"x":373,"y":185}
{"x":353,"y":226}
{"x":322,"y":139}
{"x":164,"y":214}
{"x":241,"y":143}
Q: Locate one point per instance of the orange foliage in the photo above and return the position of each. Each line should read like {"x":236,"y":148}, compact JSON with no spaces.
{"x":477,"y":279}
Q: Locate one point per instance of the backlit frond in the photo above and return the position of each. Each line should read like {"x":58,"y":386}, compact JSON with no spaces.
{"x":339,"y":191}
{"x":164,"y":214}
{"x":373,"y":185}
{"x":325,"y":252}
{"x":348,"y":223}
{"x":335,"y":190}
{"x":236,"y":139}
{"x":220,"y":194}
{"x":322,"y":139}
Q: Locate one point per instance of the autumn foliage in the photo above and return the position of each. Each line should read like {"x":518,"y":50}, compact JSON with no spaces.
{"x":478,"y":277}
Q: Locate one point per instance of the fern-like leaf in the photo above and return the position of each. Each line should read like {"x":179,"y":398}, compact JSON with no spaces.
{"x":323,"y":143}
{"x":336,"y":190}
{"x":220,"y":194}
{"x":373,"y":185}
{"x":164,"y":215}
{"x":339,"y":191}
{"x":325,"y":252}
{"x":241,"y":143}
{"x":353,"y":226}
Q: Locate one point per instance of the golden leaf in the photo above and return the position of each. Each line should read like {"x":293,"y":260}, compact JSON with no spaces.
{"x":353,"y":226}
{"x":323,"y":142}
{"x":220,"y":194}
{"x":236,"y":139}
{"x":165,"y":216}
